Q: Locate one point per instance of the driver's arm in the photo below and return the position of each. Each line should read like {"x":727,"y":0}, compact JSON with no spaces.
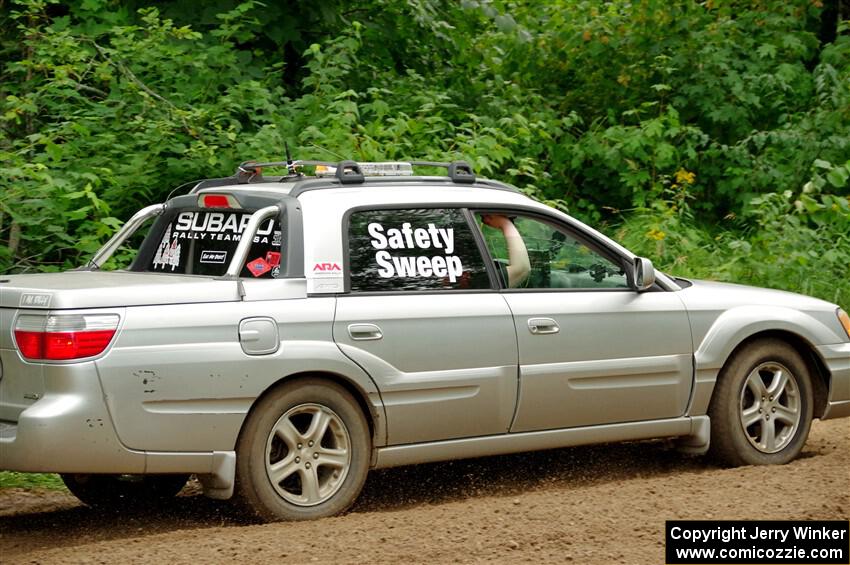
{"x":519,"y":265}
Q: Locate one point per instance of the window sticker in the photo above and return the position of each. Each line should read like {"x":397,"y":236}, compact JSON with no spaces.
{"x":168,"y":252}
{"x":258,"y":267}
{"x":219,"y":257}
{"x":273,"y":258}
{"x":419,"y":239}
{"x":218,"y":226}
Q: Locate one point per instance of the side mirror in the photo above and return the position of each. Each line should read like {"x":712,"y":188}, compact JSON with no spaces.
{"x":644,"y":274}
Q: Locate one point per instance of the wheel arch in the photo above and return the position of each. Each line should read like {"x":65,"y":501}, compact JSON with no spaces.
{"x":816,"y":366}
{"x":818,"y":371}
{"x":372,"y":412}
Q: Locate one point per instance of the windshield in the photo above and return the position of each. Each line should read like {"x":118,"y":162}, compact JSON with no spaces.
{"x":202,"y":242}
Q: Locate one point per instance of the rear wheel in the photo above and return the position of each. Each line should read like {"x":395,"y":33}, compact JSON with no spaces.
{"x":761,"y":411}
{"x":125,"y":491}
{"x":303,"y":453}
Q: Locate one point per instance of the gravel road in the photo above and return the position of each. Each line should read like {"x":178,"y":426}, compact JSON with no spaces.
{"x":600,"y":504}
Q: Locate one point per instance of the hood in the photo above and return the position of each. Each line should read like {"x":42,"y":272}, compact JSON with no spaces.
{"x":710,"y":295}
{"x":102,"y":289}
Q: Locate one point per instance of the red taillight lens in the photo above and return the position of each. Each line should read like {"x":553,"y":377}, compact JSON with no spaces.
{"x":64,"y":337}
{"x":30,"y":344}
{"x":76,"y":345}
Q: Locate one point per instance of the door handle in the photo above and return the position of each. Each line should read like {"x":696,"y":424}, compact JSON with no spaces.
{"x":364,"y":332}
{"x":543,"y":326}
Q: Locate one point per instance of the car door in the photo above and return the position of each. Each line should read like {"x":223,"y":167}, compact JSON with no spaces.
{"x":421,"y":316}
{"x":591,"y":350}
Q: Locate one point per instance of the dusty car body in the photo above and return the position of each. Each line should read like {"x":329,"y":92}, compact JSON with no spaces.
{"x":279,"y":336}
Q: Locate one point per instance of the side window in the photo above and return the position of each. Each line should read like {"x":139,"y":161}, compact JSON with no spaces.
{"x":415,"y":249}
{"x":531,"y":253}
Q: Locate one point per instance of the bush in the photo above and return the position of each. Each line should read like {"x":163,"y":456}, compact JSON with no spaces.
{"x":711,"y":135}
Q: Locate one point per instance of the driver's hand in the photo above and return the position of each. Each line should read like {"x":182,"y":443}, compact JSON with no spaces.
{"x":497,"y":221}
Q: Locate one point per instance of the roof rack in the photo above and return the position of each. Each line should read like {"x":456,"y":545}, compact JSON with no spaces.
{"x":458,"y":171}
{"x":350,"y":172}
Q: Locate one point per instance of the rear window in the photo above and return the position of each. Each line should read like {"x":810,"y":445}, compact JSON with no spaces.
{"x":202,"y":242}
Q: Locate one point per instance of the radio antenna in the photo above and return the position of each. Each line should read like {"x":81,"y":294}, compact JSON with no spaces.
{"x":289,"y":166}
{"x":337,"y":155}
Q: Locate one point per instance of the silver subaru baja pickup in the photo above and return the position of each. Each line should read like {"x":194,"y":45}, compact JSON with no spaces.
{"x":280,"y":336}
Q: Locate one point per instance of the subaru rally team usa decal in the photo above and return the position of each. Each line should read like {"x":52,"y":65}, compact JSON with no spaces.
{"x":407,"y":238}
{"x":216,"y":226}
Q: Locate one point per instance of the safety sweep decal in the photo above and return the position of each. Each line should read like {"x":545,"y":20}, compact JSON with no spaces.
{"x":445,"y":264}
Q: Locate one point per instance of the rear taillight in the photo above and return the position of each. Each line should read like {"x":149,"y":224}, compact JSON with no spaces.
{"x":61,"y":337}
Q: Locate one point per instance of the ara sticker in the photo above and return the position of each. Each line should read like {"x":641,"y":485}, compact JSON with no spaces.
{"x":326,"y":267}
{"x":258,"y":267}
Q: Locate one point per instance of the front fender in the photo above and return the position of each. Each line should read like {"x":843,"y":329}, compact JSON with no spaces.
{"x":738,"y":324}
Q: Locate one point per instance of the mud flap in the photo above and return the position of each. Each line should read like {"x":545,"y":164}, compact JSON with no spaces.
{"x":220,"y":482}
{"x":698,"y":441}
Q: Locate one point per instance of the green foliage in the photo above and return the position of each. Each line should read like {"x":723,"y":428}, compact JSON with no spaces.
{"x":724,"y":126}
{"x":13,"y":479}
{"x":781,"y":240}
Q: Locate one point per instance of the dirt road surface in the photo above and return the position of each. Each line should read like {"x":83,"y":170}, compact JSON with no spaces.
{"x":600,"y":504}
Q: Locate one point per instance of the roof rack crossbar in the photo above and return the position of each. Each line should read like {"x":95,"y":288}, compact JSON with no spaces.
{"x":350,"y":172}
{"x":442,"y":164}
{"x":252,"y":166}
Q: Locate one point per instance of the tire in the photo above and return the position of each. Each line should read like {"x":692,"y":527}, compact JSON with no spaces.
{"x":303,"y":453}
{"x":761,"y":410}
{"x":124,"y":491}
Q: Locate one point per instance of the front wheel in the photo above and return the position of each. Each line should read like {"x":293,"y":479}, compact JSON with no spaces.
{"x":761,"y":411}
{"x":303,"y":452}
